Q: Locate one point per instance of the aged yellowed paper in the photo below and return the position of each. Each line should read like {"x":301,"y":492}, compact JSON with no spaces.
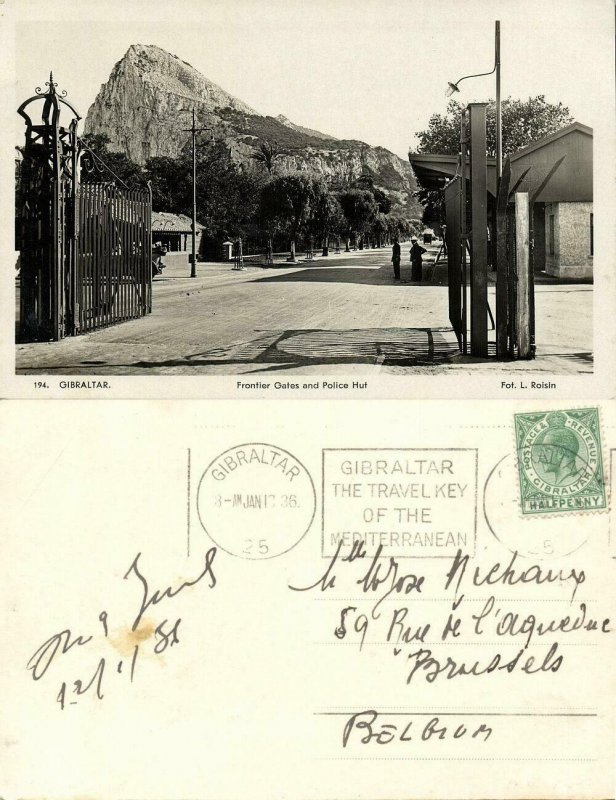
{"x":307,"y":378}
{"x":286,"y":607}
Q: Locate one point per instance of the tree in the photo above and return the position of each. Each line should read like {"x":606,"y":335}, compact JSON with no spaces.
{"x":402,"y":227}
{"x":523,"y":122}
{"x":379,"y":229}
{"x":433,"y":202}
{"x":266,"y":154}
{"x":171,"y":180}
{"x":381,"y":198}
{"x":326,"y":218}
{"x":360,"y":209}
{"x":227,"y":193}
{"x":288,"y":201}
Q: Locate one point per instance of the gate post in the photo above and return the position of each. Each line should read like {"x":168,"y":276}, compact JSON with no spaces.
{"x":522,"y":243}
{"x":72,"y":228}
{"x":501,"y":262}
{"x":454,"y":257}
{"x":45,"y":194}
{"x":479,"y":237}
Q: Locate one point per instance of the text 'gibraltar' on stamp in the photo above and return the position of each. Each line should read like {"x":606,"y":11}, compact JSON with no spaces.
{"x":560,"y":463}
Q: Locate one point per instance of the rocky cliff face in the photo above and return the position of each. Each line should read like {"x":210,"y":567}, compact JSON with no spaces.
{"x":146,"y":105}
{"x":148,"y":100}
{"x":308,"y":131}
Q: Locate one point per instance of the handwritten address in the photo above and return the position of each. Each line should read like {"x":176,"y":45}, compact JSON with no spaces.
{"x":381,"y":578}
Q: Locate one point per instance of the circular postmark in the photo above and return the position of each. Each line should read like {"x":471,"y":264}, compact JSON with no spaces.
{"x":256,"y":501}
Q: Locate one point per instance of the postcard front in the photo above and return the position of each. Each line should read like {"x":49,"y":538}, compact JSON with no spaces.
{"x":363,"y":213}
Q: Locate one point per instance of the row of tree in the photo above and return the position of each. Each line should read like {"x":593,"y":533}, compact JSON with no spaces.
{"x":270,"y":208}
{"x":301,"y":205}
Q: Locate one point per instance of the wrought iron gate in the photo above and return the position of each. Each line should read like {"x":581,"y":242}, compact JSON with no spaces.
{"x":85,"y":248}
{"x":112,"y":280}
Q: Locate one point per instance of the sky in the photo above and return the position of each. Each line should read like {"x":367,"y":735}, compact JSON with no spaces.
{"x":367,"y":70}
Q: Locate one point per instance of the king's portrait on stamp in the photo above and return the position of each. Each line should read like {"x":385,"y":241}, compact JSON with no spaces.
{"x":560,"y":463}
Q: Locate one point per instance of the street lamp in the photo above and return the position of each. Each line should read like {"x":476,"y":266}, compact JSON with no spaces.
{"x":453,"y":87}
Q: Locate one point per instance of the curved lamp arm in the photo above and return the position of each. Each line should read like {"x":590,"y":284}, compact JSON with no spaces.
{"x":453,"y":87}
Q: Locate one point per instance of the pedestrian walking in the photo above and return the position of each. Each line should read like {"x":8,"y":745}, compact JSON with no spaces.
{"x":395,"y":259}
{"x":416,"y":253}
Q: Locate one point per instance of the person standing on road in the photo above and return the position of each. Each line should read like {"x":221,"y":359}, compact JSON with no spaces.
{"x":416,"y":253}
{"x":395,"y":259}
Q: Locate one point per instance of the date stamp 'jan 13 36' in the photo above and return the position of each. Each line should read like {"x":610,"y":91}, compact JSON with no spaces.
{"x":256,"y":501}
{"x":560,"y":463}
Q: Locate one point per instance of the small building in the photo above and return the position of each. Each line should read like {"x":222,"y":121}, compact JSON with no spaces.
{"x":557,"y":173}
{"x":174,"y":231}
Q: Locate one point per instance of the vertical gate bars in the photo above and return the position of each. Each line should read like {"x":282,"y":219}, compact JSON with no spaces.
{"x":46,"y":189}
{"x":514,"y":325}
{"x":479,"y":226}
{"x":114,"y":255}
{"x":86,"y":250}
{"x":501,"y":261}
{"x":463,"y":234}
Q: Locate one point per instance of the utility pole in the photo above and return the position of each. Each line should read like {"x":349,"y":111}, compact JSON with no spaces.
{"x":499,"y":134}
{"x":194,"y":130}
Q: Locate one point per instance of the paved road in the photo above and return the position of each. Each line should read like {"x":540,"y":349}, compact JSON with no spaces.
{"x":339,"y":315}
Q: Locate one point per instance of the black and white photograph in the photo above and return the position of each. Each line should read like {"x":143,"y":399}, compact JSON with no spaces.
{"x":270,"y":190}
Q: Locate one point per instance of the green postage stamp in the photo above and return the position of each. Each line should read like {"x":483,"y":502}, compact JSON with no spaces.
{"x":560,"y":463}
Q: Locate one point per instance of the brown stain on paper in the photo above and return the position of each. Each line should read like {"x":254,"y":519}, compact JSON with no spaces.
{"x":125,"y":640}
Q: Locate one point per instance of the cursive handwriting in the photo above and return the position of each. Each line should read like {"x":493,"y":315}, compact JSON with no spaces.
{"x":514,"y":624}
{"x":510,"y":575}
{"x":379,"y":576}
{"x":407,"y":728}
{"x":433,"y":668}
{"x":400,"y":584}
{"x":160,"y":595}
{"x":165,"y":634}
{"x":61,"y":642}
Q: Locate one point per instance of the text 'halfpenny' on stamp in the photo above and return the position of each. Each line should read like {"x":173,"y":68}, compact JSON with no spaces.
{"x":560,"y":463}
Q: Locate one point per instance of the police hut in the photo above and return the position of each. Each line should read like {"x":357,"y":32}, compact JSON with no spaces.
{"x":174,"y":232}
{"x":539,"y":221}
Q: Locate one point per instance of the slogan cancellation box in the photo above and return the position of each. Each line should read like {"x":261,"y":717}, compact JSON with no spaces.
{"x":410,"y":502}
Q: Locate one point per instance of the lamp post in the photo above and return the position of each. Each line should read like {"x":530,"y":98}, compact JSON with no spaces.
{"x":479,"y":301}
{"x":453,"y":87}
{"x":194,"y":130}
